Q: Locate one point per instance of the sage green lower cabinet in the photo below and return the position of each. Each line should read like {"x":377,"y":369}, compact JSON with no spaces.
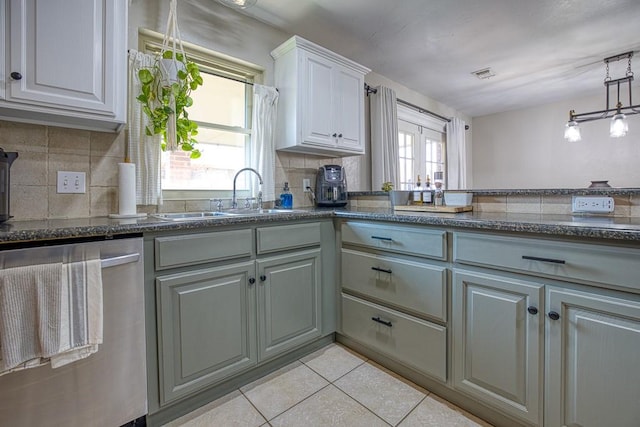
{"x":289,"y":301}
{"x":593,"y":353}
{"x":498,"y":341}
{"x":206,"y":327}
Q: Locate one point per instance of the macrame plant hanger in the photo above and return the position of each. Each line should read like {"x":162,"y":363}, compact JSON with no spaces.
{"x":172,"y":42}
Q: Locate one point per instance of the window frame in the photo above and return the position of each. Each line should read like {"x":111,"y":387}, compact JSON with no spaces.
{"x":220,"y":65}
{"x":430,"y":124}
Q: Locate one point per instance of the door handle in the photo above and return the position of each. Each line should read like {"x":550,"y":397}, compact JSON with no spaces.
{"x":382,"y":270}
{"x":384,"y":322}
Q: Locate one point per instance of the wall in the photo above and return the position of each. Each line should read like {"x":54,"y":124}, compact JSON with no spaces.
{"x":44,"y":150}
{"x":526,"y":148}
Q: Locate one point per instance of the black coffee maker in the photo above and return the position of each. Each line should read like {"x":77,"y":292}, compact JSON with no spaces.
{"x":331,"y":186}
{"x":6,"y":159}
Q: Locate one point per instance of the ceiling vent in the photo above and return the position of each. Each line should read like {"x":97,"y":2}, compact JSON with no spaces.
{"x":483,"y":74}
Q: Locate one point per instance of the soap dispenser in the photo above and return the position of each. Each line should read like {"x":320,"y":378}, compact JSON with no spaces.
{"x":286,"y":198}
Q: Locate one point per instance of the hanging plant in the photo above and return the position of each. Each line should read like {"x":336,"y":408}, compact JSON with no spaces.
{"x":165,"y":92}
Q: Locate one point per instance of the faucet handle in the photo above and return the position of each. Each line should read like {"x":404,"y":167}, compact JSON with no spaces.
{"x":219,"y":204}
{"x":260,"y":200}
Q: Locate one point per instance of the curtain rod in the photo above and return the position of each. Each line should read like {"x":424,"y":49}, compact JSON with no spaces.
{"x":370,"y":89}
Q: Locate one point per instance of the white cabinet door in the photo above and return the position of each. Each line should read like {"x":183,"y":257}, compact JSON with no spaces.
{"x":71,"y":58}
{"x":3,"y":55}
{"x":497,"y":341}
{"x":593,"y":346}
{"x":317,"y":123}
{"x":349,"y":109}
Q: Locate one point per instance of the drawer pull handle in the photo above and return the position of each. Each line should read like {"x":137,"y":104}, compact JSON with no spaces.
{"x":386,"y":239}
{"x":553,"y":315}
{"x":535,"y":258}
{"x":532,"y":310}
{"x":383,"y":270}
{"x":384,"y":322}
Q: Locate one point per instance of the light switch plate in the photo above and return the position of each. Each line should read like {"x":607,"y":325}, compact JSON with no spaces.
{"x":72,"y":182}
{"x":592,"y":204}
{"x":306,"y":185}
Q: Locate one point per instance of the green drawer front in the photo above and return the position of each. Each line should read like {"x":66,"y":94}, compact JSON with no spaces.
{"x":272,"y":239}
{"x":403,"y":239}
{"x":405,"y":284}
{"x":416,"y":343}
{"x":190,"y":249}
{"x":576,"y":261}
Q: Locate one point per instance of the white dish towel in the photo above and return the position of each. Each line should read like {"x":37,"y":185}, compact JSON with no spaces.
{"x":49,"y":313}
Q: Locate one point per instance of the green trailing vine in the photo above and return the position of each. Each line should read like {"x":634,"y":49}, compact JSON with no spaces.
{"x":158,"y":103}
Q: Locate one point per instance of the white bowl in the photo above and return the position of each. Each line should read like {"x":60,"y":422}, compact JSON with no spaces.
{"x":457,"y":198}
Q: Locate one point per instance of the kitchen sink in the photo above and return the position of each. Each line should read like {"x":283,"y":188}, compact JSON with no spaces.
{"x":194,"y":216}
{"x":191,"y":216}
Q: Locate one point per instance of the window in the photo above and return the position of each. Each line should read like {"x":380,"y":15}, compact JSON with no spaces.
{"x":222,"y":109}
{"x":421,"y":147}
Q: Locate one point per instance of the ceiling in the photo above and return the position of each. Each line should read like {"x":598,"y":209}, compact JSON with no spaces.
{"x":540,"y":51}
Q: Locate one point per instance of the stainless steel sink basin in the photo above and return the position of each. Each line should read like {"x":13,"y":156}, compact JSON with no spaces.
{"x":194,"y":216}
{"x":191,"y":216}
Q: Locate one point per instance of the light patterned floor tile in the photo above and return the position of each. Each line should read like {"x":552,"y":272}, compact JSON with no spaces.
{"x":436,"y":412}
{"x":282,"y":389}
{"x":388,"y":397}
{"x":232,"y":410}
{"x":328,"y":407}
{"x":333,"y":361}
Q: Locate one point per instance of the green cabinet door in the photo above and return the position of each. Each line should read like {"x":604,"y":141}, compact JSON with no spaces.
{"x":497,"y":341}
{"x":593,"y":348}
{"x":206,"y":327}
{"x":289,"y":301}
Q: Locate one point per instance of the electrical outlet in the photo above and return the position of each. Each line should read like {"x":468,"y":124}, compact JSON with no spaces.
{"x":71,"y":182}
{"x":306,"y":184}
{"x":592,"y":204}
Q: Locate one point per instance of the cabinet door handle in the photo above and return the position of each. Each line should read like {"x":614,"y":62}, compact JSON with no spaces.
{"x":553,"y":315}
{"x":384,"y":322}
{"x":535,"y":258}
{"x":252,"y":280}
{"x":263,"y":278}
{"x":532,"y":310}
{"x":16,"y":75}
{"x":386,"y":239}
{"x":383,"y":270}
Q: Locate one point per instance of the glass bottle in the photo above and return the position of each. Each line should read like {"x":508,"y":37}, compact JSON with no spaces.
{"x":417,"y":192}
{"x":427,"y":194}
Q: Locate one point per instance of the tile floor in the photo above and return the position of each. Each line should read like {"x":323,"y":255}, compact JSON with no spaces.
{"x":332,"y":387}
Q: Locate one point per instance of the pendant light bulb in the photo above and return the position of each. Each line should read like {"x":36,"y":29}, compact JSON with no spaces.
{"x":619,"y":126}
{"x":572,"y":131}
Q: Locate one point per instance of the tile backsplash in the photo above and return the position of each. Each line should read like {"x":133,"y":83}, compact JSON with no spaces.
{"x":44,"y":150}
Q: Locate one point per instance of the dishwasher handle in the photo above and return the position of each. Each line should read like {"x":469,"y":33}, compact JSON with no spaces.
{"x":119,"y":260}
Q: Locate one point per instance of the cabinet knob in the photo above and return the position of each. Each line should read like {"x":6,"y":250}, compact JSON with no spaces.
{"x":16,"y":75}
{"x":252,"y":280}
{"x":553,"y":315}
{"x":340,"y":135}
{"x":532,"y":310}
{"x":334,"y":135}
{"x":263,"y":278}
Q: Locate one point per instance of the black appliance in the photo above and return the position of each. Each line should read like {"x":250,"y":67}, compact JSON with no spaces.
{"x":331,"y":186}
{"x":5,"y":164}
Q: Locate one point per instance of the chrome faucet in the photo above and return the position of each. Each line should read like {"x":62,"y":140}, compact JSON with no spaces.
{"x":234,"y":203}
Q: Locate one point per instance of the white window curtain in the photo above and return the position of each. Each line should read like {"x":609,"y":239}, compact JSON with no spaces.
{"x":457,"y":155}
{"x":142,"y":150}
{"x":384,"y":138}
{"x":263,"y":151}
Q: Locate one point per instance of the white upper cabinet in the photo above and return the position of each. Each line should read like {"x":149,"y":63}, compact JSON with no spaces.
{"x":66,"y":63}
{"x":321,"y":106}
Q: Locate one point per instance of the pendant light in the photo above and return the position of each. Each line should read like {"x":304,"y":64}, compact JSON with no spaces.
{"x":618,"y":114}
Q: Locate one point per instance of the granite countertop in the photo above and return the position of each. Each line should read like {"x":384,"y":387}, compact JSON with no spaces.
{"x":596,"y":227}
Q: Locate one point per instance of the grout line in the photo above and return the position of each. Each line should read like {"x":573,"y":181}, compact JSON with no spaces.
{"x":254,"y":407}
{"x":413,"y":409}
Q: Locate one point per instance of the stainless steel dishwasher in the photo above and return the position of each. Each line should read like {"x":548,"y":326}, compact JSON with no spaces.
{"x":108,"y":388}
